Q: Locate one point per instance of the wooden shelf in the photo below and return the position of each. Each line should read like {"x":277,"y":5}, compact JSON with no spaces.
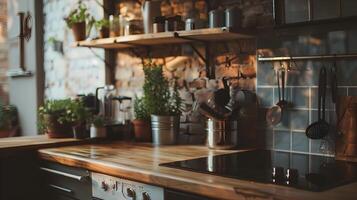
{"x":163,"y":38}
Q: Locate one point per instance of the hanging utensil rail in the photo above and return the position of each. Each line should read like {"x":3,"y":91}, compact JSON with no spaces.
{"x":320,"y":57}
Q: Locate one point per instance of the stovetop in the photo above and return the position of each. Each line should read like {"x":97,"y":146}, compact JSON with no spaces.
{"x":302,"y":171}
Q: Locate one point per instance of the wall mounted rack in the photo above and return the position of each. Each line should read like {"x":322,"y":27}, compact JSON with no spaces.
{"x":203,"y":36}
{"x":163,"y":38}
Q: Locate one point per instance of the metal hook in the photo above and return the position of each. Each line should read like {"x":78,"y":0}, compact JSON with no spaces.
{"x":290,"y":63}
{"x":228,"y":62}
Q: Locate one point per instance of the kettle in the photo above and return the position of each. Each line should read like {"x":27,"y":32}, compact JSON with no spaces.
{"x":104,"y":102}
{"x":150,"y":10}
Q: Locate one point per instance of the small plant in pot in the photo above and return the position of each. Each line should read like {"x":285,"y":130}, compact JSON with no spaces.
{"x":141,"y":123}
{"x":77,"y":20}
{"x":53,"y":120}
{"x":56,"y":44}
{"x":77,"y":114}
{"x":97,"y":129}
{"x":8,"y":121}
{"x":163,"y":103}
{"x":102,"y":27}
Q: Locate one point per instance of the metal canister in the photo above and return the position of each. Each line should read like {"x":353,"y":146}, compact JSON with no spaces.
{"x":216,"y":18}
{"x":165,"y":129}
{"x":190,"y":24}
{"x":159,"y":24}
{"x":222,"y":134}
{"x":233,"y":17}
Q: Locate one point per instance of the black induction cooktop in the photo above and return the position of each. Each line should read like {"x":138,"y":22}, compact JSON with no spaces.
{"x":302,"y":171}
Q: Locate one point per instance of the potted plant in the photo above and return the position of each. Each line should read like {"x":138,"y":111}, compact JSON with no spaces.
{"x":56,"y":44}
{"x":77,"y":114}
{"x":163,"y":103}
{"x":8,"y":121}
{"x":102,"y":27}
{"x":76,"y":21}
{"x":141,"y":123}
{"x":53,"y":119}
{"x":97,"y":129}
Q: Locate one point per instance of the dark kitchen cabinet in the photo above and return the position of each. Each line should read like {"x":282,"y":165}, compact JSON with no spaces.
{"x":305,"y":11}
{"x":65,"y":183}
{"x":19,"y":177}
{"x":176,"y":195}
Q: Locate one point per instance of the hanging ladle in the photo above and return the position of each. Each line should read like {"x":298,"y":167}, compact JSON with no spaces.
{"x":275,"y":113}
{"x":319,"y":129}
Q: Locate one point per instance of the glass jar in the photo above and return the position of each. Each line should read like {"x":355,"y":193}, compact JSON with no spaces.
{"x":159,"y":24}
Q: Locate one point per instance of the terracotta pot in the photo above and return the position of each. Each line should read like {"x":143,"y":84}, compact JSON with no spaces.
{"x":55,"y":129}
{"x":79,"y":31}
{"x":9,"y":133}
{"x":104,"y":32}
{"x":142,"y":130}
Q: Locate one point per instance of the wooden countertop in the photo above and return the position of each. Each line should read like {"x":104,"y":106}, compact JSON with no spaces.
{"x":140,"y":162}
{"x":11,"y":145}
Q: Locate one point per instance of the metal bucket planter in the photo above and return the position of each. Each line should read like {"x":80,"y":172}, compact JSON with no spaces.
{"x":165,"y":129}
{"x":221,"y":134}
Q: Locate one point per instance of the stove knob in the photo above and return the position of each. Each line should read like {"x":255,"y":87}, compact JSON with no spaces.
{"x":130,"y":193}
{"x":292,"y":176}
{"x":146,"y":196}
{"x":278,"y":174}
{"x":115,"y":186}
{"x":104,"y":186}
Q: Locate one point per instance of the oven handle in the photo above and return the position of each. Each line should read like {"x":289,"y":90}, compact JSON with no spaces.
{"x":72,"y":176}
{"x":56,"y":187}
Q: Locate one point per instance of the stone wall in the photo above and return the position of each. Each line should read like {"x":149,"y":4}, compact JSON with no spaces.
{"x":74,"y":70}
{"x":4,"y":96}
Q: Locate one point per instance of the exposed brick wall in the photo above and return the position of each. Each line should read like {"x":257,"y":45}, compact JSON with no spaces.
{"x":68,"y":74}
{"x":4,"y":96}
{"x":183,"y":65}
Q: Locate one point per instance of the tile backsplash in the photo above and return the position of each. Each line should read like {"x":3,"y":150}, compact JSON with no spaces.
{"x":302,"y":87}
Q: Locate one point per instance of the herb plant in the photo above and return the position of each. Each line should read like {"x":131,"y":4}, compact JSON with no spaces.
{"x":98,"y":121}
{"x":65,"y":110}
{"x":140,"y":110}
{"x":78,"y":15}
{"x":8,"y":117}
{"x":158,"y":98}
{"x":103,"y":23}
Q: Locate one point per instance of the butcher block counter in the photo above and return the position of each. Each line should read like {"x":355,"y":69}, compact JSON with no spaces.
{"x":141,"y":162}
{"x":13,"y":145}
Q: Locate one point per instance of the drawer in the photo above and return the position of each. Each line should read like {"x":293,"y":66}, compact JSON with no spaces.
{"x":63,"y":182}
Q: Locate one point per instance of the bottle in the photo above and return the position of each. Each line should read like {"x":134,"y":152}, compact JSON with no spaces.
{"x":114,"y":26}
